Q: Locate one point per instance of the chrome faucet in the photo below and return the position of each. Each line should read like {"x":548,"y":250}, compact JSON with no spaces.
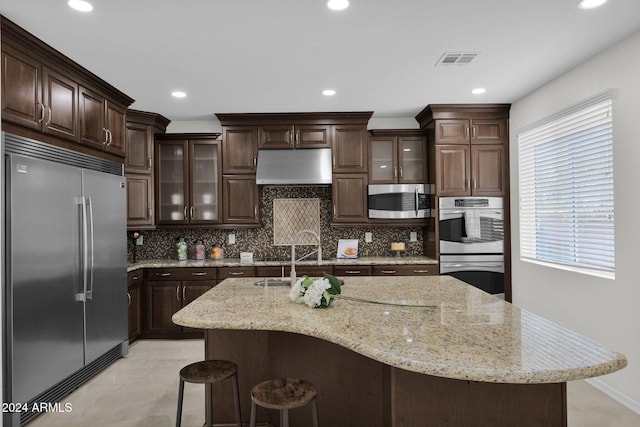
{"x":293,"y":251}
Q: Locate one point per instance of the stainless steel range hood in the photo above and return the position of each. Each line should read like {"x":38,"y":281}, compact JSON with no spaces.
{"x":310,"y":166}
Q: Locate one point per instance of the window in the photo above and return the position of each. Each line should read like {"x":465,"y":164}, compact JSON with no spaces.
{"x":566,"y":189}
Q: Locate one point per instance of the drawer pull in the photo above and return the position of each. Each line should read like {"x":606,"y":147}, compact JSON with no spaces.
{"x":352,"y":272}
{"x":199,"y":274}
{"x":163,"y":274}
{"x":388,"y":271}
{"x":135,"y":277}
{"x":420,"y":271}
{"x":236,"y":273}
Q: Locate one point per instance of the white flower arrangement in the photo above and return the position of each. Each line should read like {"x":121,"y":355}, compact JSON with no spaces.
{"x":316,"y":293}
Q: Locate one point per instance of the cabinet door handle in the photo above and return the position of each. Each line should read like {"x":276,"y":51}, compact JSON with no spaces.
{"x":400,"y":172}
{"x":149,"y":162}
{"x":352,"y":271}
{"x":466,"y":132}
{"x":149,"y":213}
{"x":106,"y":137}
{"x":466,"y":184}
{"x":50,"y":116}
{"x":42,"y":108}
{"x":110,"y":137}
{"x":475,"y":183}
{"x":185,"y":214}
{"x":475,"y":132}
{"x":163,"y":274}
{"x":255,"y":161}
{"x":395,"y":172}
{"x":236,"y":273}
{"x":334,"y":209}
{"x":184,"y":293}
{"x":128,"y":299}
{"x":200,"y":273}
{"x":388,"y":271}
{"x":192,"y":211}
{"x":178,"y":293}
{"x":255,"y":211}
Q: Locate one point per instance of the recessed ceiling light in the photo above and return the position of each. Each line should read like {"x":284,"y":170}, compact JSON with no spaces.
{"x":478,"y":91}
{"x":80,"y":5}
{"x":338,"y":4}
{"x":590,"y":4}
{"x":178,"y":94}
{"x":328,"y":92}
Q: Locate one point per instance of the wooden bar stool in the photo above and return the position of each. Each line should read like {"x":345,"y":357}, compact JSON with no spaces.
{"x":208,"y":372}
{"x":284,"y":394}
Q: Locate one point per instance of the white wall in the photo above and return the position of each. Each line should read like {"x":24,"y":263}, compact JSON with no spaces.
{"x":607,"y":311}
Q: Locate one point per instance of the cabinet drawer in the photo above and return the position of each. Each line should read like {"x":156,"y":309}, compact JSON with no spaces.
{"x":352,"y":270}
{"x":185,"y":273}
{"x":301,"y":270}
{"x":226,"y":272}
{"x":135,"y":277}
{"x":405,"y":270}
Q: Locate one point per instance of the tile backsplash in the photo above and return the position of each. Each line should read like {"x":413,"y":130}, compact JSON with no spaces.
{"x":161,"y":243}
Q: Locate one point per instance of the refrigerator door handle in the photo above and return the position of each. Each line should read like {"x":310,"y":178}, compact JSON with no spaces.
{"x":81,"y":296}
{"x":91,"y":245}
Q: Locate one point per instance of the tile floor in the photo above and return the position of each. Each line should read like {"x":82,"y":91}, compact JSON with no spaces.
{"x":141,"y":390}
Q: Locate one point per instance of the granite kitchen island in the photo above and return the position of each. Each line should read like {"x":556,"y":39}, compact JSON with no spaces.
{"x":430,"y":351}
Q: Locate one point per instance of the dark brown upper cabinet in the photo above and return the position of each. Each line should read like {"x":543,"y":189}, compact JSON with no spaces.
{"x":470,"y":150}
{"x":239,"y":149}
{"x":141,"y":130}
{"x":397,"y":157}
{"x":47,"y":96}
{"x":350,"y":149}
{"x":294,"y":136}
{"x":188,"y":179}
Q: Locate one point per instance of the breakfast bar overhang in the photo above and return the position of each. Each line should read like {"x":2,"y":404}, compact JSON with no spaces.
{"x":401,"y":351}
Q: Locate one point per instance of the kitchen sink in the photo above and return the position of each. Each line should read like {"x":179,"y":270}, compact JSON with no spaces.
{"x":274,"y":282}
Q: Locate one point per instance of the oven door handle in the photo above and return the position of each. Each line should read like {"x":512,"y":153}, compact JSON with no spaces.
{"x":456,"y":268}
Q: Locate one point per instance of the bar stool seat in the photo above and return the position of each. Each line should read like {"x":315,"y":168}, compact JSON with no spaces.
{"x":284,"y":394}
{"x":208,"y":372}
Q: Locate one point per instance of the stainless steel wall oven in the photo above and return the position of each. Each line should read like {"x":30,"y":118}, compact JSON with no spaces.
{"x":472,"y":241}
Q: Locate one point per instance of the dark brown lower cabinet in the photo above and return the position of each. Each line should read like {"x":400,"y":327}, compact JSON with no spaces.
{"x":405,"y":270}
{"x":135,"y":279}
{"x":168,"y":292}
{"x":301,"y":270}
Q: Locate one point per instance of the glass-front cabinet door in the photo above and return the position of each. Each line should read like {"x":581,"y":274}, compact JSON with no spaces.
{"x":411,"y":152}
{"x":172,"y":192}
{"x":382,"y":167}
{"x":188,"y":180}
{"x":205,"y":185}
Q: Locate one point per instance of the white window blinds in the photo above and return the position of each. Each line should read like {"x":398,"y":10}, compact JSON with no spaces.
{"x":566,"y":189}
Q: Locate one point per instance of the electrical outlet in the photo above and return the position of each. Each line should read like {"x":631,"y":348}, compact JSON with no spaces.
{"x":413,"y":236}
{"x":368,"y":237}
{"x":139,"y":241}
{"x":232,"y":239}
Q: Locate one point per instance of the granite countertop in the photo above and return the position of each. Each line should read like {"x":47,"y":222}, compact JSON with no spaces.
{"x":465,"y":334}
{"x":235,"y":262}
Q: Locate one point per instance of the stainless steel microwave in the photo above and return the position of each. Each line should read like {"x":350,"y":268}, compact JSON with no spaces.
{"x":398,"y":201}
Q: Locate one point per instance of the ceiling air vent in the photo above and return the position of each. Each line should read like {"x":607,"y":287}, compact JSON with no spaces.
{"x":456,"y":58}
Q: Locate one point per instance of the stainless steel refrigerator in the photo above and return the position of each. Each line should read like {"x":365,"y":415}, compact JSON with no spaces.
{"x":65,"y":270}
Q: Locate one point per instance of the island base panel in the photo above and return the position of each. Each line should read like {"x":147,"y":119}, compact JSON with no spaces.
{"x":354,"y":390}
{"x":449,"y":402}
